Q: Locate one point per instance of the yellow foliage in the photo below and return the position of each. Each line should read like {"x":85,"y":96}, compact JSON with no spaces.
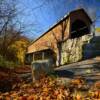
{"x":20,"y":49}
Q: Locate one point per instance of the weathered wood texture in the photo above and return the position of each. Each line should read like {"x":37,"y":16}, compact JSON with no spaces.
{"x":49,"y":39}
{"x":58,"y":33}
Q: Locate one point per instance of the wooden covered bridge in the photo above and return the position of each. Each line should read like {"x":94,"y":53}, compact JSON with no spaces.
{"x":50,"y":45}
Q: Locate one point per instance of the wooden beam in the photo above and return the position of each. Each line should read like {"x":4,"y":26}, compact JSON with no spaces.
{"x":33,"y":56}
{"x":42,"y":55}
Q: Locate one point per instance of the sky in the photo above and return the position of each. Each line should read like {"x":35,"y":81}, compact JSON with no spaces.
{"x":40,"y":15}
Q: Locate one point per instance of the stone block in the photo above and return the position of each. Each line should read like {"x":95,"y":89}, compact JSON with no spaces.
{"x":41,"y":68}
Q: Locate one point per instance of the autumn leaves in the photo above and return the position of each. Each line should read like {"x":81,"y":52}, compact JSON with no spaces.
{"x":47,"y":89}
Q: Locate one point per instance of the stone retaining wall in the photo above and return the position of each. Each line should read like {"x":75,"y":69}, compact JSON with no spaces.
{"x":72,"y":49}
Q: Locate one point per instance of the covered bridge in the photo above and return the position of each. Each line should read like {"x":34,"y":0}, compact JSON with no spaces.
{"x":56,"y":43}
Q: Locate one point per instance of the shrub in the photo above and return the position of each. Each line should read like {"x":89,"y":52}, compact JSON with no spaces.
{"x":5,"y":63}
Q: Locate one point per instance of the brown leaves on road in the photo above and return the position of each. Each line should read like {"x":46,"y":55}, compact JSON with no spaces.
{"x":48,"y":89}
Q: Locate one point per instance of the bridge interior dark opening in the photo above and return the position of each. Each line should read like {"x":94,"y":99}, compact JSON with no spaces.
{"x":78,"y":29}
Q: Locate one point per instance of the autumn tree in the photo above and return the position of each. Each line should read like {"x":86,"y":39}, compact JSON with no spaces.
{"x":7,"y":33}
{"x":19,"y":48}
{"x":12,"y":41}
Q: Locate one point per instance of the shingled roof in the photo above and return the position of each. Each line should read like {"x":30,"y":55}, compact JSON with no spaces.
{"x":62,"y":19}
